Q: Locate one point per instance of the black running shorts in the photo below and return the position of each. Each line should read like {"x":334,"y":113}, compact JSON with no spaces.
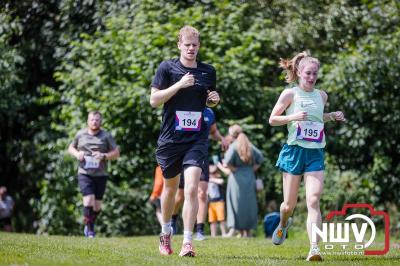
{"x":205,"y":175}
{"x":172,"y":158}
{"x":92,"y":185}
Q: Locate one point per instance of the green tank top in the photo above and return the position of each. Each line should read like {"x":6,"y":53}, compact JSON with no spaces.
{"x":313,"y":104}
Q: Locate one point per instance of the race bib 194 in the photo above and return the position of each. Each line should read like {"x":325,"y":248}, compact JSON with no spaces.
{"x":91,"y":162}
{"x":310,"y":131}
{"x":188,"y":121}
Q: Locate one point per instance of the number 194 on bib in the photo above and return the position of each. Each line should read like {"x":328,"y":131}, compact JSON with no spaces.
{"x":188,"y":121}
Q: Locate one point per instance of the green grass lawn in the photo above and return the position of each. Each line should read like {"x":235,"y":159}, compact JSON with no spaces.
{"x":23,"y":249}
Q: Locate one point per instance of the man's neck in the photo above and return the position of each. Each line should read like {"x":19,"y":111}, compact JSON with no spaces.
{"x":188,"y":63}
{"x":93,"y":132}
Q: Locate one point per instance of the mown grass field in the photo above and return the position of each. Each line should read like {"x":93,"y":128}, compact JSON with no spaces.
{"x":24,"y":249}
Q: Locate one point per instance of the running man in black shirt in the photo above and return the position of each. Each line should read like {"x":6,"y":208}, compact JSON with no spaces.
{"x":185,"y":86}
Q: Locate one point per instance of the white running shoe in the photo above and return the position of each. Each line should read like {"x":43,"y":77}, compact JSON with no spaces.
{"x":314,"y":254}
{"x":187,"y":250}
{"x":165,"y":244}
{"x":200,"y":236}
{"x":280,"y":233}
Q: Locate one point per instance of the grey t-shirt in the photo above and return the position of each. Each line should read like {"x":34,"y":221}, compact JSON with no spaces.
{"x":102,"y":142}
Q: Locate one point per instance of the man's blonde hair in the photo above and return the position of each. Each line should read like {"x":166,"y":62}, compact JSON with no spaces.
{"x":188,"y":31}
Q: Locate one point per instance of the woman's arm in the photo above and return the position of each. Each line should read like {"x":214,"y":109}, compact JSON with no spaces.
{"x":285,"y":99}
{"x":334,"y":116}
{"x":224,"y":169}
{"x":255,"y":167}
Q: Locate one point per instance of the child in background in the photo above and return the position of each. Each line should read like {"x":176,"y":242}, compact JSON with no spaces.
{"x":216,"y":205}
{"x":6,"y":210}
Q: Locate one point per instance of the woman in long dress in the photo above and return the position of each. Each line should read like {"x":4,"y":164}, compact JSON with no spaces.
{"x":243,"y":158}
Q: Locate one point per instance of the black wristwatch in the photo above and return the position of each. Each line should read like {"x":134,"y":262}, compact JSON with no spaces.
{"x":104,"y":156}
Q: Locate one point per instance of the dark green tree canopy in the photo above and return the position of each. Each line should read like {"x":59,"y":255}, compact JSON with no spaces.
{"x":61,"y":59}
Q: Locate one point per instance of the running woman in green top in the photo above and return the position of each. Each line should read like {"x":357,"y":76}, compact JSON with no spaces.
{"x":303,"y":154}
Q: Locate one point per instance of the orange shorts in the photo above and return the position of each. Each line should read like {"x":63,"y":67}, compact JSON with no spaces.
{"x":216,"y":211}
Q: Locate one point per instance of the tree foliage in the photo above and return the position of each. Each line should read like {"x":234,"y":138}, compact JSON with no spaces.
{"x":103,"y":54}
{"x":34,"y":37}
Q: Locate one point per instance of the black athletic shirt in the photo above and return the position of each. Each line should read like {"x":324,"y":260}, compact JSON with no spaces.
{"x":191,"y":99}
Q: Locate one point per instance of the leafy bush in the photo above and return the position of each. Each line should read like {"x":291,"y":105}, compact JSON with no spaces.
{"x":103,"y":55}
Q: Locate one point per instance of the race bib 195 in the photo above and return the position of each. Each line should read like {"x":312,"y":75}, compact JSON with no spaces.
{"x":91,"y":162}
{"x":310,"y":131}
{"x":188,"y":121}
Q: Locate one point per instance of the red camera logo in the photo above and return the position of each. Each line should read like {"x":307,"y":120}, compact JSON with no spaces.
{"x":337,"y":232}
